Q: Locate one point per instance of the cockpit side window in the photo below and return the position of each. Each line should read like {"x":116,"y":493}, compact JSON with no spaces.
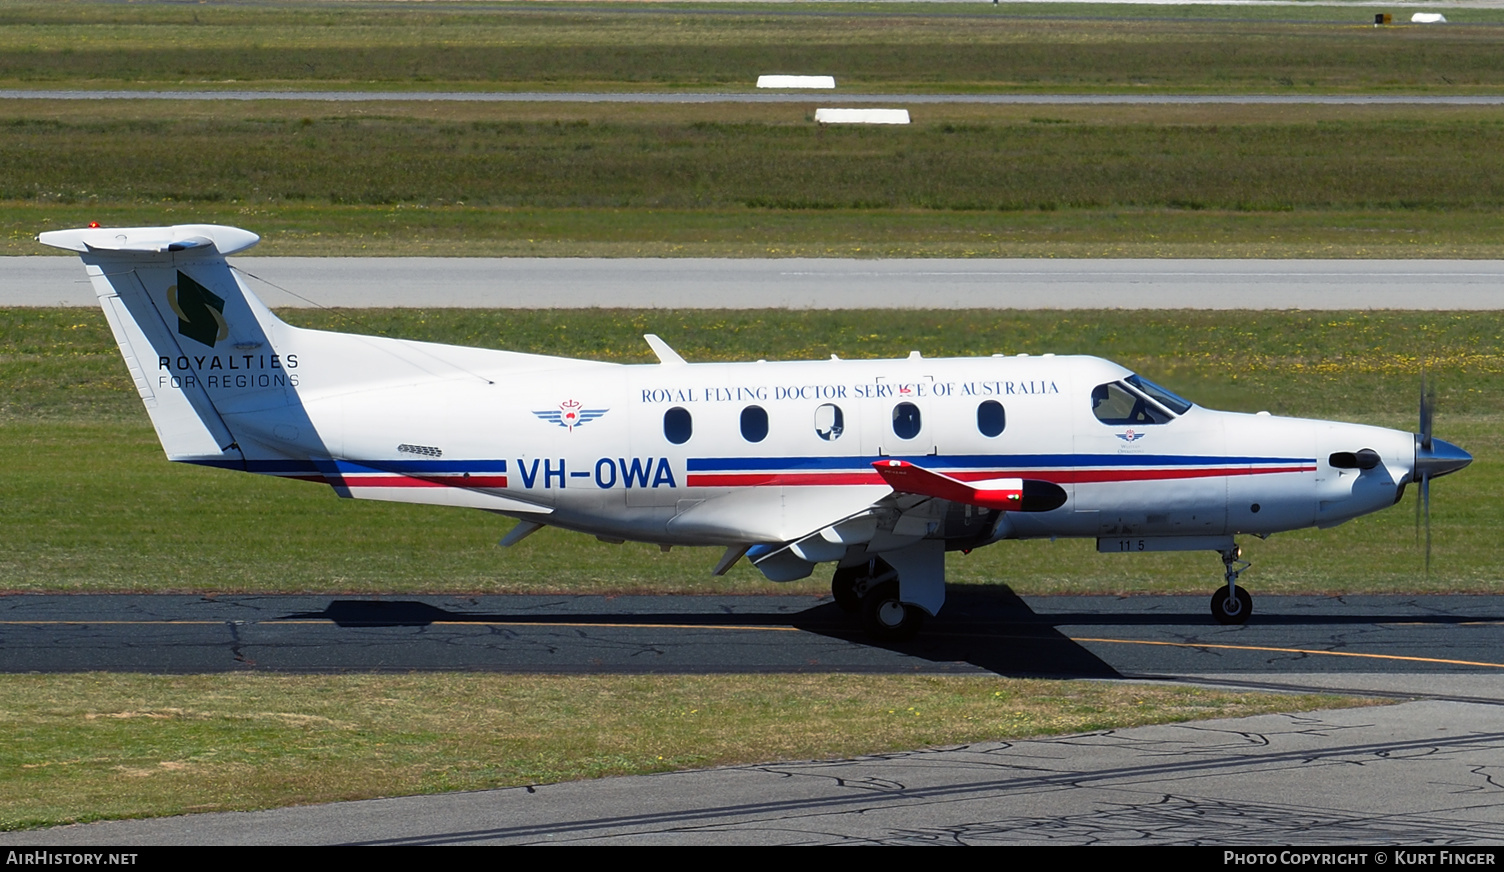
{"x":1115,"y":404}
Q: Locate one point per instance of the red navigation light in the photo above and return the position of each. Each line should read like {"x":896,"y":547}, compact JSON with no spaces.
{"x":93,"y":223}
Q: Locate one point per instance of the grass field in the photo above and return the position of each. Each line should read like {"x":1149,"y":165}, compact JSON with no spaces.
{"x":887,"y":47}
{"x":744,"y":180}
{"x":963,"y":181}
{"x":1270,"y":165}
{"x":88,"y":747}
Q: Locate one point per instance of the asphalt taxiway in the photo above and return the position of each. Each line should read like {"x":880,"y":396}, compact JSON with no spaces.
{"x":982,"y":629}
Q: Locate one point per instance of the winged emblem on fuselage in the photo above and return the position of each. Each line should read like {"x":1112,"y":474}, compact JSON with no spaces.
{"x":570,"y":414}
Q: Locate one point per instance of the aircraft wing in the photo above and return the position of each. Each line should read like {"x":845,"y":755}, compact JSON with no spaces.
{"x":1006,"y":494}
{"x":775,"y":514}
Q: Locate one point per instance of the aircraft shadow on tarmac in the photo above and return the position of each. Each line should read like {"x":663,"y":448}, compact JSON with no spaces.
{"x":985,"y":626}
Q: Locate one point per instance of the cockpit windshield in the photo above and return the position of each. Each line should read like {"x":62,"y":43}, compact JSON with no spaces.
{"x":1178,"y":405}
{"x":1136,"y":400}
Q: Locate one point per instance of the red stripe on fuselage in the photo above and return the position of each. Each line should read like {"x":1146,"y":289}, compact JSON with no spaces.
{"x":752,"y":479}
{"x":393,"y":480}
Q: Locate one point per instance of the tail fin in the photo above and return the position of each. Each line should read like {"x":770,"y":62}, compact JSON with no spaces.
{"x":185,"y":325}
{"x":220,"y":376}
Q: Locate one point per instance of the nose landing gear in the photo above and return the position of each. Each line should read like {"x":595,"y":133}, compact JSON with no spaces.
{"x":1232,"y":604}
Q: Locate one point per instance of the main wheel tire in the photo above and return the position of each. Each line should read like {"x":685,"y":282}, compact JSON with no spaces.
{"x":843,"y":587}
{"x":1231,"y":610}
{"x":887,"y":618}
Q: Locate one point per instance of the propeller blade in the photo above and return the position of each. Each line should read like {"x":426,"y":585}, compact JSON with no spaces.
{"x":1433,"y":458}
{"x":1423,"y":445}
{"x":1427,"y":410}
{"x":1422,"y":479}
{"x":1425,"y":498}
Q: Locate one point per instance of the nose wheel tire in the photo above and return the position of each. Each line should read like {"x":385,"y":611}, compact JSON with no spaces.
{"x":886,"y":618}
{"x":1231,"y":608}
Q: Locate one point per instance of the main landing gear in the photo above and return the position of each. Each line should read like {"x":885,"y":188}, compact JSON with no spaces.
{"x":1232,"y":604}
{"x":871,"y":590}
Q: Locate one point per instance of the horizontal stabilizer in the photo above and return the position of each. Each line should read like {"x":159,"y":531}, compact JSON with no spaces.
{"x":1004,"y":494}
{"x":151,"y":240}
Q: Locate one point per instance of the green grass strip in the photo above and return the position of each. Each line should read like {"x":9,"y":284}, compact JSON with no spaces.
{"x":963,"y":181}
{"x":912,"y":47}
{"x":98,"y":746}
{"x":1001,"y":168}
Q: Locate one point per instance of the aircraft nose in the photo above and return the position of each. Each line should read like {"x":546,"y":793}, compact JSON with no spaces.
{"x":1439,"y":459}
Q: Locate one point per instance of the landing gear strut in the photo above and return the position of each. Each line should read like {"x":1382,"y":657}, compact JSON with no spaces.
{"x":1232,"y":604}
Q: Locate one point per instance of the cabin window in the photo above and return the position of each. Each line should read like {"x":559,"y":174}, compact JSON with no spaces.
{"x":830,"y":423}
{"x":754,"y":423}
{"x":991,"y":419}
{"x":1115,"y":404}
{"x":677,"y":425}
{"x":906,"y":421}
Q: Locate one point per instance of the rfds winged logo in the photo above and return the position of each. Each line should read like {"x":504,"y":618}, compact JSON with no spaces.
{"x":200,"y":311}
{"x":570,"y":415}
{"x":1131,"y":436}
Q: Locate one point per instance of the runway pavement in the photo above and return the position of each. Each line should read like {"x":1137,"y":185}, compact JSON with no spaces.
{"x":1426,"y":772}
{"x":822,"y":283}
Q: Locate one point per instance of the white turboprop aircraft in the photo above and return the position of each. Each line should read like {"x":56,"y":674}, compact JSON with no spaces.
{"x":876,"y":466}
